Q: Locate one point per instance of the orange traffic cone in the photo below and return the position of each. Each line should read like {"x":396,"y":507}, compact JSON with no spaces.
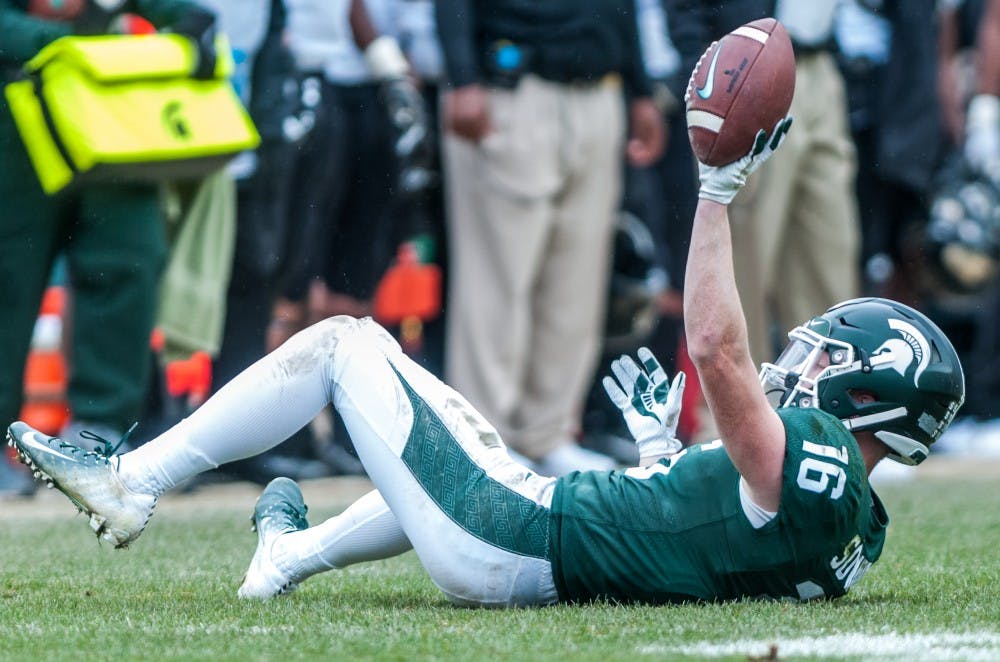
{"x":408,"y":289}
{"x":408,"y":295}
{"x":45,"y":376}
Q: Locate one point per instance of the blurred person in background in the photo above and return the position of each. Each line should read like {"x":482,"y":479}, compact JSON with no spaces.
{"x":111,"y":234}
{"x":423,"y":199}
{"x":347,"y":169}
{"x":266,"y":81}
{"x":888,"y":55}
{"x":982,"y":125}
{"x":664,"y":194}
{"x":535,"y":125}
{"x":966,"y":214}
{"x":351,"y":191}
{"x":651,"y":242}
{"x":283,"y":109}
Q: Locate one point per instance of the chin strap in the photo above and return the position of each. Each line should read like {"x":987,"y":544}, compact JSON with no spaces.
{"x":904,"y":450}
{"x":867,"y":421}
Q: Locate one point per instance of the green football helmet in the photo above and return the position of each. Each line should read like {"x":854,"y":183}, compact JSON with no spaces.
{"x":876,"y":365}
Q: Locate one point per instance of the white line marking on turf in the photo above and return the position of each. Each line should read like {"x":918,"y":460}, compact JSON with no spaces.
{"x":983,"y":645}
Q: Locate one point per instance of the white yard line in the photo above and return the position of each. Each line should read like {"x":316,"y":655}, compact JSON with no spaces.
{"x":982,"y":645}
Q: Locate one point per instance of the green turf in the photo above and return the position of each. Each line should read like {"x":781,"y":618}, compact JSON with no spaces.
{"x":172,"y":596}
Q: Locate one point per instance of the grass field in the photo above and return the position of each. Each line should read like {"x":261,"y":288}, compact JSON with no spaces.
{"x":935,"y":595}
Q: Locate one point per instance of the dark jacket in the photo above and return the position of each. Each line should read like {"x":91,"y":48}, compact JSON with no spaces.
{"x":694,"y":24}
{"x":907,"y":117}
{"x":563,"y":40}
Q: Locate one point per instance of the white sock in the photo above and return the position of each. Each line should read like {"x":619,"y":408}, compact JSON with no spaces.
{"x":161,"y":464}
{"x":366,"y":531}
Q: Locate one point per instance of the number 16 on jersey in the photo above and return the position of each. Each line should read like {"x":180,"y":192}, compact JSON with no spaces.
{"x":816,"y":474}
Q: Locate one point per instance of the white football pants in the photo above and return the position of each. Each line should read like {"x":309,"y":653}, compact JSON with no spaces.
{"x":477,"y":520}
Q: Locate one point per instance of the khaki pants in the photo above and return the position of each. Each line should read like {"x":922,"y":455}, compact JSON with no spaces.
{"x":530,"y":215}
{"x":795,"y":225}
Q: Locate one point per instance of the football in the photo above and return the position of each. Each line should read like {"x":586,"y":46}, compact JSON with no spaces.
{"x":743,"y":83}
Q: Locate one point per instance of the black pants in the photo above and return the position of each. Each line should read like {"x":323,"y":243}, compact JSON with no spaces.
{"x":665,"y":195}
{"x":343,"y":195}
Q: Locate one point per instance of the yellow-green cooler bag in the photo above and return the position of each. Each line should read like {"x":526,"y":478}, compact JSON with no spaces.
{"x":125,"y":108}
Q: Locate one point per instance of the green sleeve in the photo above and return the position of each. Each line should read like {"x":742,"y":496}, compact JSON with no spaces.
{"x":22,"y":36}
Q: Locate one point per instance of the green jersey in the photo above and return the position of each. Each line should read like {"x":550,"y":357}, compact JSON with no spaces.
{"x":678,"y":530}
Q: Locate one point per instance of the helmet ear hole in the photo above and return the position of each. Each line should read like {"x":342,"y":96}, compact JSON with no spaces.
{"x":862,"y":397}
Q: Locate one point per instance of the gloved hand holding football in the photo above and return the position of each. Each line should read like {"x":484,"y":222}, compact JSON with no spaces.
{"x":721,"y":184}
{"x":744,"y":83}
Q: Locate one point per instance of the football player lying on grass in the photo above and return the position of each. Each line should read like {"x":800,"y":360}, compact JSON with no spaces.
{"x":779,"y":507}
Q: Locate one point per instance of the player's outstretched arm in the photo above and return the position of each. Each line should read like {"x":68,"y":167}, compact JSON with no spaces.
{"x":716,"y":330}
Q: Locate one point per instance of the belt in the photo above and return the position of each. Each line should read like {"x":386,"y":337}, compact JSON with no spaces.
{"x":597,"y":80}
{"x":607,"y":80}
{"x":505,"y":62}
{"x":612,"y":79}
{"x":810,"y":49}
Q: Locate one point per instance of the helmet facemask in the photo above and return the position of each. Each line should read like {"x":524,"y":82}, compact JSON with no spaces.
{"x":792,"y":381}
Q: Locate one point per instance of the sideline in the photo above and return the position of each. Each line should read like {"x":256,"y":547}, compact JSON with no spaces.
{"x":334,"y":494}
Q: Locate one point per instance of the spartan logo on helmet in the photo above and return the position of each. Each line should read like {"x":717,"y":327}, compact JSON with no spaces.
{"x":912,"y":348}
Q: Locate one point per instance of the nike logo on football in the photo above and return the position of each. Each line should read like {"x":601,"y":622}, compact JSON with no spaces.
{"x":706,"y":91}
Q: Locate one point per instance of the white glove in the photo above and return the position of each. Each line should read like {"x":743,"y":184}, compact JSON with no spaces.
{"x":982,"y":132}
{"x":385,"y":59}
{"x":650,"y":407}
{"x":722,"y":183}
